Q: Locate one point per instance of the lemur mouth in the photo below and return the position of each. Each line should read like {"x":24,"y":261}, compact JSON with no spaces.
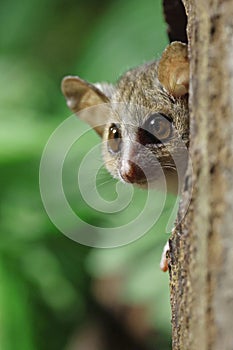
{"x":135,"y":175}
{"x":138,"y":181}
{"x":154,"y":180}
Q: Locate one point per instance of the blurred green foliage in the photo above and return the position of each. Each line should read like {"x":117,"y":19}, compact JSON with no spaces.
{"x":44,"y":277}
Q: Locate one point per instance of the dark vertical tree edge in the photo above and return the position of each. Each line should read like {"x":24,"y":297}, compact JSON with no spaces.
{"x":176,"y":19}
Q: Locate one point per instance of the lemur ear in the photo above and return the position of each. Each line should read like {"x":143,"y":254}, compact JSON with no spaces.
{"x":173,"y":69}
{"x":80,"y":95}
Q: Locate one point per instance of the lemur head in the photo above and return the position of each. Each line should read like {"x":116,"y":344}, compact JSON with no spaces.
{"x":146,"y":123}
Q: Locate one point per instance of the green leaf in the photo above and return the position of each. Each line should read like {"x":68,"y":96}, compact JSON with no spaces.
{"x":15,"y":317}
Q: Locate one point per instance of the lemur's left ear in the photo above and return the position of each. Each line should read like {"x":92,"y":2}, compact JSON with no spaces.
{"x":173,"y":69}
{"x":80,"y":95}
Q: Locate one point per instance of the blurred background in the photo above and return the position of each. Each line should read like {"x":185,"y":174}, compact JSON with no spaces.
{"x":55,"y":293}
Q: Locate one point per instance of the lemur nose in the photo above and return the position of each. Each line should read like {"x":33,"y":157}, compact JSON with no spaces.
{"x":132,"y":173}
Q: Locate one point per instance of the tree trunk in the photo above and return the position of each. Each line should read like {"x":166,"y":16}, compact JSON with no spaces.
{"x":201,"y":248}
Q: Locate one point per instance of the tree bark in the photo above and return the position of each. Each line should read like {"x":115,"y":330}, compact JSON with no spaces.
{"x":201,"y":248}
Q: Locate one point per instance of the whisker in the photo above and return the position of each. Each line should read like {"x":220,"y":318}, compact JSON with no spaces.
{"x":105,"y":183}
{"x":170,"y":167}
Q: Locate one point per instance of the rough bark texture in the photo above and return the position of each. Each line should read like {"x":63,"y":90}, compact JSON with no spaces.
{"x":201,"y":256}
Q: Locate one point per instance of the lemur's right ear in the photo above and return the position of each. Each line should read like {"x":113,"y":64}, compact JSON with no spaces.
{"x":80,"y":95}
{"x":173,"y":69}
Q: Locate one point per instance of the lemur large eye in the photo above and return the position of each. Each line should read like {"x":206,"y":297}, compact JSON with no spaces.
{"x":114,"y":138}
{"x":160,"y":128}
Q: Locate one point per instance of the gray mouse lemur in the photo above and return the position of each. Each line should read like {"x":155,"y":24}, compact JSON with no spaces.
{"x":146,"y":120}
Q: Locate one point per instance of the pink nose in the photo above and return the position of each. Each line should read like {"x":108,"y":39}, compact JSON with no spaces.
{"x":133,"y":173}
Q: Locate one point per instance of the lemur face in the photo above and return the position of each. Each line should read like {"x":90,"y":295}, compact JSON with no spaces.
{"x":146,"y":123}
